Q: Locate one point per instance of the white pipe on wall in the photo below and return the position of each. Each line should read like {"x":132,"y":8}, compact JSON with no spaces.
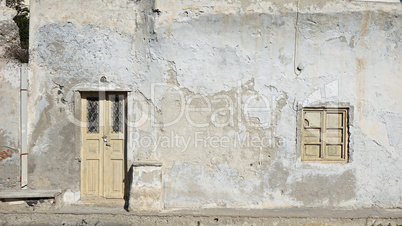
{"x":23,"y":124}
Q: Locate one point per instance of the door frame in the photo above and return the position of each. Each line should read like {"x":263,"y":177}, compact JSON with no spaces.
{"x":103,"y":95}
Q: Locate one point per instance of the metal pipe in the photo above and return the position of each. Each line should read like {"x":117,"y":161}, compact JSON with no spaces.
{"x":23,"y":124}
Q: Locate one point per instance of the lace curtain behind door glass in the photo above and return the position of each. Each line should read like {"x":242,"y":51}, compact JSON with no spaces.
{"x":117,"y":113}
{"x":93,"y":114}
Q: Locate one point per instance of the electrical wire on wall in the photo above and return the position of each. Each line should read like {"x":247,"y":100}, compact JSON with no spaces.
{"x":297,"y":69}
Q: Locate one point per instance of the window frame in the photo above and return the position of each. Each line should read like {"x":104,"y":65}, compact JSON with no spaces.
{"x":324,"y":111}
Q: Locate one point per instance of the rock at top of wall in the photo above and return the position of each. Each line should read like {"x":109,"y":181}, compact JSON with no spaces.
{"x":9,"y":36}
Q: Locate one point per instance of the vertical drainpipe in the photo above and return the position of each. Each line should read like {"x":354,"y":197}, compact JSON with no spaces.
{"x":23,"y":124}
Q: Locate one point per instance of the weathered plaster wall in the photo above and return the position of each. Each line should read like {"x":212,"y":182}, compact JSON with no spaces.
{"x":9,"y":124}
{"x":222,"y":57}
{"x":72,"y":49}
{"x":348,"y":57}
{"x":9,"y":101}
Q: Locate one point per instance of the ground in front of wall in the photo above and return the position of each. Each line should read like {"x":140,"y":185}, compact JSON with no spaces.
{"x":48,"y":212}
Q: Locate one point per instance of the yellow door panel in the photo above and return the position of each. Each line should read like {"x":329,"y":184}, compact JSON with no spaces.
{"x":312,"y":119}
{"x":334,"y":136}
{"x":114,"y":154}
{"x":312,"y":151}
{"x":92,"y":177}
{"x":312,"y":135}
{"x":334,"y":151}
{"x":334,"y":120}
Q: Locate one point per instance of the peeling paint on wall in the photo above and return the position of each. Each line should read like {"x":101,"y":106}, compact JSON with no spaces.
{"x":216,"y":99}
{"x":9,"y":124}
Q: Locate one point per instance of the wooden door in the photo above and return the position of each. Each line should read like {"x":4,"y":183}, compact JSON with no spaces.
{"x":114,"y":152}
{"x":103,"y":155}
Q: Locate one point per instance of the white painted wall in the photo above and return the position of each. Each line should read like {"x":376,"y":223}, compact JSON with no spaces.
{"x":171,"y":53}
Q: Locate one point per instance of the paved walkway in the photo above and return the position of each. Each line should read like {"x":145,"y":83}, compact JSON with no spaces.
{"x":79,"y":215}
{"x":298,"y":212}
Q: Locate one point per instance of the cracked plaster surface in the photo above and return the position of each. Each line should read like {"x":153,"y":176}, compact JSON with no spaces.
{"x":200,"y":51}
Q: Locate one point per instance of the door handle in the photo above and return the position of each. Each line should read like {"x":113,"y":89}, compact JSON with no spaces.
{"x":105,"y":140}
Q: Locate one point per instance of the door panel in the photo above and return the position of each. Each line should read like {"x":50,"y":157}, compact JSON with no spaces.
{"x":114,"y":154}
{"x":92,"y":177}
{"x":91,"y":168}
{"x":102,"y":169}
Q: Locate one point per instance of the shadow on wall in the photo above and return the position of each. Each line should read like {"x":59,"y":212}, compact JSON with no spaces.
{"x":18,"y":53}
{"x":129,"y":181}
